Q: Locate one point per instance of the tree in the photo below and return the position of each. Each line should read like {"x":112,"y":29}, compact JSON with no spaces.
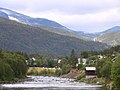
{"x":6,"y":72}
{"x":66,"y":68}
{"x":17,"y":63}
{"x":12,"y":65}
{"x":106,"y":69}
{"x":99,"y":65}
{"x":1,"y":54}
{"x":84,"y":54}
{"x":115,"y":72}
{"x":73,"y":58}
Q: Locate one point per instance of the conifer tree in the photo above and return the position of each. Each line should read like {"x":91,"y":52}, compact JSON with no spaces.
{"x":73,"y":58}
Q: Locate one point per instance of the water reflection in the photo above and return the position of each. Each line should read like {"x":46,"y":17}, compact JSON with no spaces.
{"x":49,"y":83}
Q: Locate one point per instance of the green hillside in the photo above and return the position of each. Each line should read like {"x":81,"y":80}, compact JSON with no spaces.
{"x":15,"y":36}
{"x":110,"y":38}
{"x":65,"y":32}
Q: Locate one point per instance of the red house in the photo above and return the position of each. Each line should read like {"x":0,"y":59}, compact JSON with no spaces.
{"x":74,"y":70}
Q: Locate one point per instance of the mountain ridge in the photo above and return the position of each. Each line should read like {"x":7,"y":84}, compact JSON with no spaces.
{"x":57,"y":28}
{"x":15,"y":36}
{"x":29,"y":20}
{"x":39,"y":22}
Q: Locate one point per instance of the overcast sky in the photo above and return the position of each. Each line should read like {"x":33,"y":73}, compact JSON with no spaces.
{"x":79,"y":15}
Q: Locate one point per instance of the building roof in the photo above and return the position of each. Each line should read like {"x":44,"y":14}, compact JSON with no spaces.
{"x":90,"y":68}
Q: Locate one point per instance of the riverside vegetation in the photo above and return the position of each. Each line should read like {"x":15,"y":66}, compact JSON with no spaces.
{"x":13,"y":65}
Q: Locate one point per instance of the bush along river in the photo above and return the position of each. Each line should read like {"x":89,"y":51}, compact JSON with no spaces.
{"x":49,"y":83}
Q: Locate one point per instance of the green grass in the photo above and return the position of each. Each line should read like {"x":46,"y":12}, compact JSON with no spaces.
{"x":44,"y":71}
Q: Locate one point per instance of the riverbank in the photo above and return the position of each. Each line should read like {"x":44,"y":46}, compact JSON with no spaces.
{"x":80,"y":77}
{"x":71,"y":75}
{"x":16,"y":80}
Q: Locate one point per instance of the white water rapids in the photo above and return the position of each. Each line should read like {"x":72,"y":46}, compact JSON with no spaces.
{"x":49,"y":83}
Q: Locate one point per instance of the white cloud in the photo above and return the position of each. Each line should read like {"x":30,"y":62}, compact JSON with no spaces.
{"x":68,"y":6}
{"x":89,"y":15}
{"x":91,"y":22}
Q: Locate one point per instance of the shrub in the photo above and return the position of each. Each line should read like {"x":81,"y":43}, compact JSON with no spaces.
{"x":58,"y":72}
{"x":6,"y":72}
{"x":66,"y":69}
{"x":81,"y":76}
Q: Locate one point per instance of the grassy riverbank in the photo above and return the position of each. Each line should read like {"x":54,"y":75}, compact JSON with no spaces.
{"x":44,"y":71}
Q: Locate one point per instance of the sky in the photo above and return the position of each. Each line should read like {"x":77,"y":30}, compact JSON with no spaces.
{"x":79,"y":15}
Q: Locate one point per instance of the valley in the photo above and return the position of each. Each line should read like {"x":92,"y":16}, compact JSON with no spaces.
{"x":41,"y":47}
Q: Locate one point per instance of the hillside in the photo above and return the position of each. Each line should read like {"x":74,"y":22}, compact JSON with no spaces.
{"x":64,"y":32}
{"x":15,"y":36}
{"x":110,"y":36}
{"x":89,"y":36}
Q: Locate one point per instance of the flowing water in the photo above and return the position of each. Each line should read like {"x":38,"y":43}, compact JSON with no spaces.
{"x":49,"y":83}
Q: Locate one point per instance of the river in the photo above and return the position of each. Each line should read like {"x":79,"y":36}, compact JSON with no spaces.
{"x":49,"y":83}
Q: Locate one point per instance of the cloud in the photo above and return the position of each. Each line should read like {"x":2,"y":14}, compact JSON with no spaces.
{"x":91,"y":22}
{"x":68,"y":6}
{"x":87,"y":15}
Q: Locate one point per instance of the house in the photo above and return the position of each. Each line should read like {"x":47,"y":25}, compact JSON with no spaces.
{"x":84,"y":60}
{"x":100,"y":57}
{"x":90,"y":72}
{"x":113,"y":57}
{"x":74,"y":70}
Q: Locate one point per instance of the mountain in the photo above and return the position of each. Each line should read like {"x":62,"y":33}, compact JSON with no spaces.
{"x":113,"y":29}
{"x":43,"y":23}
{"x":15,"y":36}
{"x":110,"y":36}
{"x":87,"y":35}
{"x":54,"y":27}
{"x":12,"y":15}
{"x":4,"y":15}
